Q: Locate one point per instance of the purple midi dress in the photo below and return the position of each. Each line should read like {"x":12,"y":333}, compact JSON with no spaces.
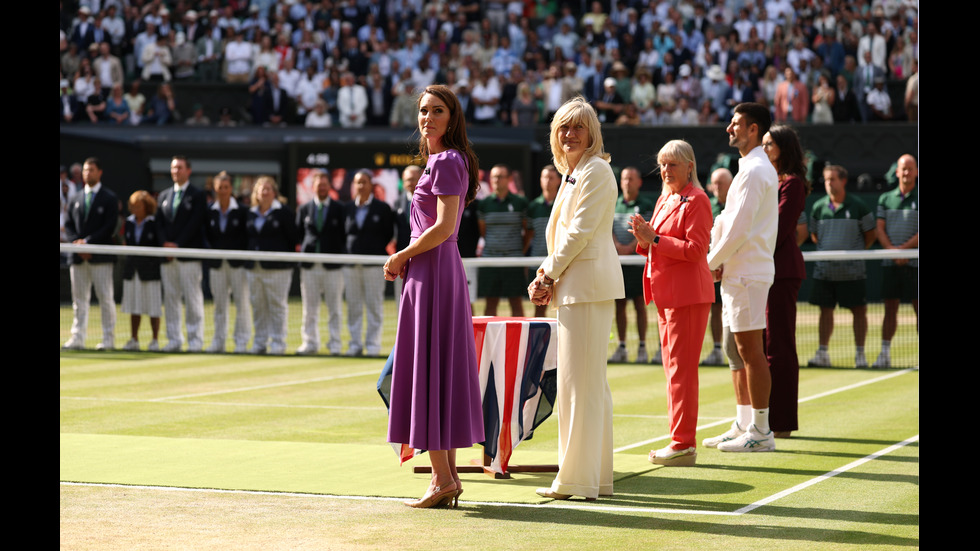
{"x":435,"y":387}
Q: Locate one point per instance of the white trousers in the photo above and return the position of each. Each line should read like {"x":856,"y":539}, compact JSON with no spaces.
{"x":318,"y":283}
{"x":84,"y":276}
{"x":227,"y":281}
{"x":365,"y":290}
{"x":270,"y":307}
{"x":584,"y":402}
{"x":182,"y":286}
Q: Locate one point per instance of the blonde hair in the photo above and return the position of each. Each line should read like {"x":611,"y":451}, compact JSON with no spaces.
{"x":261,"y":181}
{"x":679,"y":150}
{"x":576,"y":111}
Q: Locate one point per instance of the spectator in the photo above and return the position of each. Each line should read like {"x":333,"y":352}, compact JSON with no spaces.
{"x":352,"y":102}
{"x":278,"y":103}
{"x":117,"y":110}
{"x":318,"y":118}
{"x":874,"y":44}
{"x":628,"y":204}
{"x":93,"y":214}
{"x":258,"y":88}
{"x":524,"y":110}
{"x":912,"y":93}
{"x":823,"y":101}
{"x":610,"y":104}
{"x":84,"y":86}
{"x":404,"y":108}
{"x":321,"y":222}
{"x":864,"y":84}
{"x":157,"y":60}
{"x":141,"y":274}
{"x":684,"y":115}
{"x":898,"y":228}
{"x":879,"y":102}
{"x":238,"y":58}
{"x":198,"y":118}
{"x":183,"y":209}
{"x":83,"y":33}
{"x":162,"y":109}
{"x":226,"y":230}
{"x":370,"y":225}
{"x":271,"y":226}
{"x":108,"y":68}
{"x":380,"y":99}
{"x":840,"y":222}
{"x":225,"y":119}
{"x":503,"y":221}
{"x":184,"y":57}
{"x":845,"y":107}
{"x":308,"y":92}
{"x":792,"y":101}
{"x":136,"y":101}
{"x":210,"y":54}
{"x":486,"y":97}
{"x":96,"y":104}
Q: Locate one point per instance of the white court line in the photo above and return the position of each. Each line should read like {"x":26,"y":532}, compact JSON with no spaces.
{"x":262,"y":387}
{"x":553,"y":504}
{"x":202,"y":403}
{"x":801,"y":400}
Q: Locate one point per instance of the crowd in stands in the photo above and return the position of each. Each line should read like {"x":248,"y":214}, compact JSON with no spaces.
{"x":355,"y":63}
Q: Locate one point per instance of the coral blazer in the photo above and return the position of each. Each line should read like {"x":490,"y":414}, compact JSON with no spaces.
{"x":676,"y":272}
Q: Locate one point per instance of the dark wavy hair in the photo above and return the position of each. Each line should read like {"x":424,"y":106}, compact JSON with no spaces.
{"x":455,"y":137}
{"x":790,"y":159}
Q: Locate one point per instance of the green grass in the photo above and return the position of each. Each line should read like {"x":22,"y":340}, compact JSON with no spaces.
{"x":135,"y":427}
{"x":905,"y":345}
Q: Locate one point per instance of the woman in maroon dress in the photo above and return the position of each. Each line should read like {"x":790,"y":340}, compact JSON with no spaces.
{"x":435,"y":389}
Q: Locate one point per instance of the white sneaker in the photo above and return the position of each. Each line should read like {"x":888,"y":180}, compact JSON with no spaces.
{"x":730,"y":434}
{"x":675,"y":458}
{"x":103,"y":347}
{"x":241,"y":349}
{"x":74,"y":343}
{"x":641,"y":355}
{"x":154,"y":346}
{"x":820,"y":359}
{"x":715,"y":357}
{"x":355,"y":352}
{"x":306,"y":350}
{"x":131,"y":345}
{"x":750,"y":441}
{"x":173,"y":346}
{"x":619,"y":356}
{"x":860,"y":360}
{"x":194,"y":347}
{"x":884,"y":361}
{"x":657,"y":358}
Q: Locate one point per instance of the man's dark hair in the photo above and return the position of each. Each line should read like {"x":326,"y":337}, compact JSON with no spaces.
{"x":755,"y":113}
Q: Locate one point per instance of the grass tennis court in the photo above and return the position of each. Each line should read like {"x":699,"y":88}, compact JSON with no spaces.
{"x":191,"y":451}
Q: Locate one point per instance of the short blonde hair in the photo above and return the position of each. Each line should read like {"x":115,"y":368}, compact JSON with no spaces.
{"x":679,"y":150}
{"x":575,"y":111}
{"x":262,"y":181}
{"x":143,"y":196}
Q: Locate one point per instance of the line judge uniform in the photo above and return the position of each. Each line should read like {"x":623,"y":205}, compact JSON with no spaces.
{"x":181,"y":220}
{"x":588,"y":279}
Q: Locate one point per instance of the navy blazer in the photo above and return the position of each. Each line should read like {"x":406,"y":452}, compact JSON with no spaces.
{"x":332,"y":235}
{"x":185,"y":227}
{"x":98,"y":228}
{"x":234,"y":237}
{"x":378,"y":229}
{"x":148,"y":267}
{"x":278,"y":233}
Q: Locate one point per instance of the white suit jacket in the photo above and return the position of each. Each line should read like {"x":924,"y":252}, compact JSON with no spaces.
{"x":581,"y":256}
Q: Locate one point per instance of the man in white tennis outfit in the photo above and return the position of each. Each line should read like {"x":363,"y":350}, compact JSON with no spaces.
{"x":742,"y":243}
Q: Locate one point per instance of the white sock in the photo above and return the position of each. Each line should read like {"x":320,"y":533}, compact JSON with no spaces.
{"x":743,"y":414}
{"x":761,"y":419}
{"x":622,"y":344}
{"x":886,"y":347}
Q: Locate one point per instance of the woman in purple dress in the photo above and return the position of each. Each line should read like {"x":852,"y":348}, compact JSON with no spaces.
{"x":435,"y":389}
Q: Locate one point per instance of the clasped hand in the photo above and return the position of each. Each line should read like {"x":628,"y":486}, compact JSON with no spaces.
{"x":394,"y":267}
{"x":641,"y":230}
{"x":540,"y":294}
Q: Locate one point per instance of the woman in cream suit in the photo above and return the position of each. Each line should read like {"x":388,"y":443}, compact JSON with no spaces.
{"x":582,"y":278}
{"x":676,"y":277}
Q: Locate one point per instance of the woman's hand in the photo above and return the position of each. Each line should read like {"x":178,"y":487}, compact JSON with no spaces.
{"x":539,"y":291}
{"x":395,"y":267}
{"x":641,"y":230}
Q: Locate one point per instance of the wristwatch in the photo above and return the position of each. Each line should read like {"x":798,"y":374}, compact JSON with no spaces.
{"x":656,"y":239}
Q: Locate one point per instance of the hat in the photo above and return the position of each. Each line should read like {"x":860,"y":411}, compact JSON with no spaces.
{"x":463,"y":83}
{"x":64,"y":83}
{"x":570,"y":65}
{"x":609,"y":82}
{"x":685,"y":70}
{"x":93,"y":46}
{"x":85,"y":10}
{"x":619,"y":66}
{"x":715,"y":72}
{"x":191,"y":14}
{"x":214,"y":13}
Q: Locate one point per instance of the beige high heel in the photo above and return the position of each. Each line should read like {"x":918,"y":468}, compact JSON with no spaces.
{"x":437,"y":498}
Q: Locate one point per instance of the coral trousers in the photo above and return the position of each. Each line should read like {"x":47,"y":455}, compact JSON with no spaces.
{"x":681,"y":336}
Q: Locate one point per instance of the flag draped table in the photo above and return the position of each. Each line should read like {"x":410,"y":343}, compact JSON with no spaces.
{"x":517,"y":362}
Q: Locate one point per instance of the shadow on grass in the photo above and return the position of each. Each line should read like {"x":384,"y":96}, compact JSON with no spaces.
{"x":773,"y":533}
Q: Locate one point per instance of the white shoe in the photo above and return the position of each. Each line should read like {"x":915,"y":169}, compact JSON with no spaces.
{"x":674,"y":458}
{"x":884,"y":361}
{"x":820,"y":359}
{"x":715,"y":357}
{"x":750,"y":441}
{"x":276,"y":350}
{"x":241,"y":349}
{"x":154,"y":346}
{"x":216,"y":348}
{"x":657,"y":358}
{"x":194,"y":347}
{"x":257,"y":349}
{"x":619,"y":356}
{"x":641,"y":355}
{"x":730,"y":434}
{"x":306,"y":350}
{"x":354,"y":352}
{"x":860,"y":360}
{"x":173,"y":346}
{"x":102,"y":347}
{"x":132,"y":345}
{"x":74,"y":343}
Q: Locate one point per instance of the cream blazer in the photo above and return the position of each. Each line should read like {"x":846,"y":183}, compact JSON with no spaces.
{"x":581,"y":256}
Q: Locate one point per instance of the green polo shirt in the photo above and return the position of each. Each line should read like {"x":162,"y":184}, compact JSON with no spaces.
{"x":901,"y":216}
{"x":504,"y":220}
{"x":840,"y":229}
{"x":538,"y":213}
